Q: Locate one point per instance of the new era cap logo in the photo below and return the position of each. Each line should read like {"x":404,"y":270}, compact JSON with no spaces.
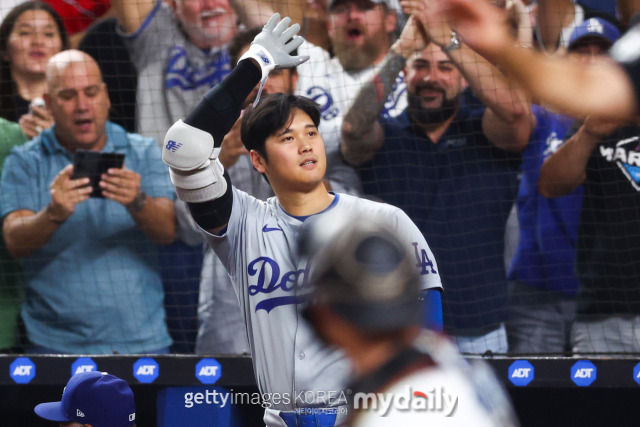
{"x":132,"y":417}
{"x":79,"y":413}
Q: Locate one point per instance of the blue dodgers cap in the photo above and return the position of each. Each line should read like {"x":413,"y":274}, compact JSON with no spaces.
{"x":596,"y":28}
{"x":95,"y":398}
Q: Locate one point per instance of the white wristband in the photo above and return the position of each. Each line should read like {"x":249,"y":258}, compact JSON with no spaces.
{"x":201,"y":185}
{"x":262,"y":56}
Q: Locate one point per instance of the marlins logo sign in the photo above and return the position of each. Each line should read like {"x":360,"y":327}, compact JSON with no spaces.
{"x":626,"y":155}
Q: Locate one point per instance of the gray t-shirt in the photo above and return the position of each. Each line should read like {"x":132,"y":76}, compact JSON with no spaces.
{"x":173,"y":74}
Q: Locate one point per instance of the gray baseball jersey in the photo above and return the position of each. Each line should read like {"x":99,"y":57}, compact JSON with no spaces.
{"x":259,"y":250}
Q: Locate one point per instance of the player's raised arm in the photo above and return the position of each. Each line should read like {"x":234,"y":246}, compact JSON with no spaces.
{"x":191,"y":147}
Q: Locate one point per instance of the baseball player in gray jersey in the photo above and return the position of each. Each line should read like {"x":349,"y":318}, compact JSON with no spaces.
{"x":301,"y":380}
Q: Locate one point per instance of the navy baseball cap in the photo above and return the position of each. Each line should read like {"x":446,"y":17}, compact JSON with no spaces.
{"x":95,"y":398}
{"x":594,"y":28}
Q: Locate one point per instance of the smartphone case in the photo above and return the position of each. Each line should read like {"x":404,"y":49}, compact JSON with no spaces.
{"x":93,"y":164}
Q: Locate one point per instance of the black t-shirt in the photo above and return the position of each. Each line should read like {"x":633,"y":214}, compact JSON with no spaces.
{"x":608,"y":256}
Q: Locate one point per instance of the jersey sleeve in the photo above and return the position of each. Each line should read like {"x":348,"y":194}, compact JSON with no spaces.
{"x":626,"y":52}
{"x":230,"y":244}
{"x":426,"y":264}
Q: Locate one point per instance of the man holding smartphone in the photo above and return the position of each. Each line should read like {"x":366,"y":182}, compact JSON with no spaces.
{"x":90,"y":263}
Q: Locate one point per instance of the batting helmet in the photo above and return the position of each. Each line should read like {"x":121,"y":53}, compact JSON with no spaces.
{"x":363,"y":272}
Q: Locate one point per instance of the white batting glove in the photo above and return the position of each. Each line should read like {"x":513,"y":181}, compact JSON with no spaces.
{"x":270,"y":48}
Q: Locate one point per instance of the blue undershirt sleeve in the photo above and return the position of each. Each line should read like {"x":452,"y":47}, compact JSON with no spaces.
{"x":432,"y":303}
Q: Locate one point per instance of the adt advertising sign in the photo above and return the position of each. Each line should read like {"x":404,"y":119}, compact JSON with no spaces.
{"x":583,"y":373}
{"x":22,"y":370}
{"x":521,"y":373}
{"x":208,"y":371}
{"x":146,"y":370}
{"x":636,"y":373}
{"x":83,"y":364}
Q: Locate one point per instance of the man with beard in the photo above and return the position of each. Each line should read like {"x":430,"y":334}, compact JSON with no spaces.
{"x":450,"y":163}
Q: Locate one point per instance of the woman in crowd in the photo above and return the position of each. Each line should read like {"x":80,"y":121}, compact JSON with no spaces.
{"x":29,"y":35}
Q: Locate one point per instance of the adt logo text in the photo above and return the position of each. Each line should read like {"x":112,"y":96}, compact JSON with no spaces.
{"x":636,"y":373}
{"x":583,"y":373}
{"x":146,"y":370}
{"x":22,"y":370}
{"x":208,"y":371}
{"x":83,"y":364}
{"x":521,"y":372}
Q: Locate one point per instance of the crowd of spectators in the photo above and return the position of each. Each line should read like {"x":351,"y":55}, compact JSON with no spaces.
{"x":411,"y":116}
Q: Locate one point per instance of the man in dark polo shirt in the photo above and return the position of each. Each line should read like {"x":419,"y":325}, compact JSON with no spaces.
{"x":450,"y":163}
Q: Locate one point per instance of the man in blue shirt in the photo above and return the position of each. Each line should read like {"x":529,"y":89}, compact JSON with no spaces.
{"x":542,"y":305}
{"x":90,"y":264}
{"x":450,"y":163}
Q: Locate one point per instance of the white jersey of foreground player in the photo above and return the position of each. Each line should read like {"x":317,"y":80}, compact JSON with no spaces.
{"x":259,"y":248}
{"x":451,"y":392}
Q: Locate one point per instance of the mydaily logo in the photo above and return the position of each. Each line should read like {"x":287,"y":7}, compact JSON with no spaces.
{"x":583,"y":373}
{"x":146,"y":370}
{"x":208,"y":371}
{"x":22,"y":370}
{"x":83,"y":364}
{"x":521,"y":373}
{"x":435,"y":399}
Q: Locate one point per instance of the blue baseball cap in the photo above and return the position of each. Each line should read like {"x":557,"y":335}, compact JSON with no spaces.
{"x":95,"y":398}
{"x":594,"y":28}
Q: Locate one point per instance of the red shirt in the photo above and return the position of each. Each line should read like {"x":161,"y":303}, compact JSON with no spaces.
{"x":77,"y":15}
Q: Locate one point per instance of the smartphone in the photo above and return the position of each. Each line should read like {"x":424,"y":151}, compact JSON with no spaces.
{"x":36,"y":102}
{"x":92,"y":164}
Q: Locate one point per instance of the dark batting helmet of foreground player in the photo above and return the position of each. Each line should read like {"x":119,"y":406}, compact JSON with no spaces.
{"x":363,"y":273}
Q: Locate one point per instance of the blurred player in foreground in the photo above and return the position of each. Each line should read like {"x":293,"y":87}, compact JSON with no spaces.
{"x":609,"y":89}
{"x":364,"y":287}
{"x":93,"y":399}
{"x":257,"y":241}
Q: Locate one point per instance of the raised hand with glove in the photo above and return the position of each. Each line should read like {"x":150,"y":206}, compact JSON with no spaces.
{"x":191,"y":147}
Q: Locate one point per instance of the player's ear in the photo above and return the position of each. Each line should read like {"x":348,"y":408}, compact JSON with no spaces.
{"x":259,"y":163}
